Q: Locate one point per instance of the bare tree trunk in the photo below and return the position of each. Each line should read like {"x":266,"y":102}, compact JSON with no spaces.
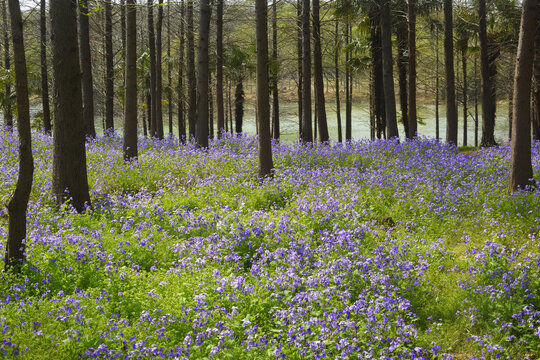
{"x":109,"y":78}
{"x":401,"y":35}
{"x":130,"y":97}
{"x":86,"y":69}
{"x":336,"y":65}
{"x":123,"y":28}
{"x":192,"y":81}
{"x":488,"y":115}
{"x":8,"y":116}
{"x":159,"y":72}
{"x":275,"y":91}
{"x":169,"y":70}
{"x":263,"y":91}
{"x":19,"y":200}
{"x":219,"y":69}
{"x":318,"y":72}
{"x":69,"y":176}
{"x":307,"y":133}
{"x":239,"y":106}
{"x":300,"y":67}
{"x":44,"y":74}
{"x":377,"y":90}
{"x":153,"y":81}
{"x":536,"y":88}
{"x":181,"y":97}
{"x":437,"y":123}
{"x":388,"y":78}
{"x":348,"y":96}
{"x":521,"y":171}
{"x":202,"y":74}
{"x":451,"y":108}
{"x":464,"y":66}
{"x":475,"y":103}
{"x":413,"y":125}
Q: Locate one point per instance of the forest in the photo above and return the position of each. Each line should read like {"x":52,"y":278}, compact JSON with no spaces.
{"x":270,"y":179}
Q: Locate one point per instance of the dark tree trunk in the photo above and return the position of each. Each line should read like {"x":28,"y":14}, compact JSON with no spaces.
{"x":169,"y":70}
{"x":86,"y":69}
{"x":388,"y":78}
{"x":192,"y":81}
{"x":376,"y":88}
{"x":263,"y":91}
{"x":465,"y":109}
{"x":148,"y":100}
{"x":336,"y":65}
{"x":413,"y":124}
{"x":275,"y":92}
{"x":451,"y":108}
{"x":19,"y":200}
{"x":180,"y":88}
{"x":69,"y":177}
{"x":475,"y":103}
{"x":521,"y":171}
{"x":219,"y":70}
{"x":488,"y":114}
{"x":536,"y":88}
{"x":307,"y":133}
{"x":153,"y":81}
{"x":44,"y":74}
{"x":203,"y":74}
{"x":348,"y":95}
{"x":130,"y":98}
{"x":402,"y":76}
{"x":109,"y":78}
{"x":300,"y":67}
{"x":159,"y":72}
{"x":123,"y":27}
{"x":8,"y":116}
{"x":318,"y":72}
{"x":437,"y":123}
{"x":239,"y":106}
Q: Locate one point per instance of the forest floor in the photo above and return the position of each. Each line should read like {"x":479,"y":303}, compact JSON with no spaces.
{"x":379,"y":250}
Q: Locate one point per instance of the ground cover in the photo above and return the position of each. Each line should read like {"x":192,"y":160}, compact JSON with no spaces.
{"x":378,"y":250}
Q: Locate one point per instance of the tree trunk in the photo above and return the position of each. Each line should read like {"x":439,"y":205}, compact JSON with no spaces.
{"x":336,"y":65}
{"x":307,"y":133}
{"x":219,"y":70}
{"x":263,"y":91}
{"x":8,"y":116}
{"x":44,"y":74}
{"x":169,"y":70}
{"x":153,"y":81}
{"x":401,"y":35}
{"x":109,"y":78}
{"x":318,"y":72}
{"x":123,"y":28}
{"x":451,"y":108}
{"x":413,"y":124}
{"x":488,"y":114}
{"x":348,"y":96}
{"x":464,"y":66}
{"x":275,"y":91}
{"x":521,"y":171}
{"x":159,"y":72}
{"x":437,"y":123}
{"x":69,"y":177}
{"x":202,"y":74}
{"x":536,"y":88}
{"x":19,"y":200}
{"x":239,"y":106}
{"x":300,"y":67}
{"x":475,"y":103}
{"x":86,"y":69}
{"x":181,"y":66}
{"x":192,"y":81}
{"x":130,"y":97}
{"x":388,"y":78}
{"x":376,"y":88}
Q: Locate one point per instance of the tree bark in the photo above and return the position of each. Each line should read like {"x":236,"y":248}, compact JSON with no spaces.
{"x":181,"y":66}
{"x":130,"y":98}
{"x":263,"y":91}
{"x":318,"y":72}
{"x":376,"y":87}
{"x":169,"y":70}
{"x":192,"y":81}
{"x":536,"y":88}
{"x":44,"y":73}
{"x":307,"y":133}
{"x":275,"y":91}
{"x":413,"y":123}
{"x":18,"y":203}
{"x":402,"y":75}
{"x":300,"y":67}
{"x":239,"y":106}
{"x":336,"y":65}
{"x":451,"y":108}
{"x":521,"y":171}
{"x":388,"y":78}
{"x":437,"y":123}
{"x":348,"y":95}
{"x":109,"y":58}
{"x":202,"y":74}
{"x":488,"y":114}
{"x":8,"y":115}
{"x":465,"y":109}
{"x":159,"y":72}
{"x":69,"y":177}
{"x":153,"y":81}
{"x":219,"y":70}
{"x":86,"y":69}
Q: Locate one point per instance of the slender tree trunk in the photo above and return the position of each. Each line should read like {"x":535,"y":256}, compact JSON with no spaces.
{"x":239,"y":106}
{"x":153,"y":72}
{"x":475,"y":103}
{"x":388,"y":78}
{"x":465,"y":88}
{"x":69,"y":176}
{"x":377,"y":89}
{"x":263,"y":91}
{"x":123,"y":28}
{"x":8,"y":116}
{"x":307,"y":133}
{"x":219,"y":70}
{"x":146,"y":125}
{"x":488,"y":116}
{"x":109,"y":57}
{"x":181,"y":97}
{"x":348,"y":96}
{"x":336,"y":64}
{"x":275,"y":91}
{"x":413,"y":124}
{"x":536,"y":88}
{"x":437,"y":121}
{"x":451,"y":108}
{"x":44,"y":74}
{"x":130,"y":97}
{"x":300,"y":68}
{"x":521,"y":171}
{"x":402,"y":76}
{"x":169,"y":70}
{"x":192,"y":81}
{"x":86,"y":69}
{"x":318,"y":70}
{"x":19,"y":200}
{"x":159,"y":72}
{"x":203,"y":74}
